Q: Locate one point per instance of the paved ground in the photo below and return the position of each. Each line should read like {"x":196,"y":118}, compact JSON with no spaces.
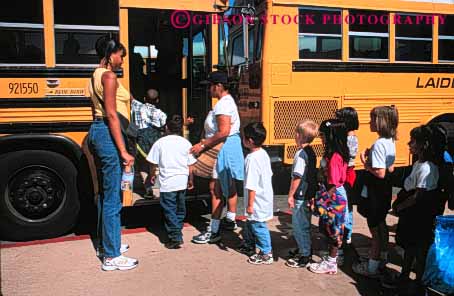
{"x":70,"y":267}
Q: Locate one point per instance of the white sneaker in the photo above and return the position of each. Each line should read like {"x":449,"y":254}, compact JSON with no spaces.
{"x":124,"y":248}
{"x":340,"y":257}
{"x":121,"y":263}
{"x":323,"y":267}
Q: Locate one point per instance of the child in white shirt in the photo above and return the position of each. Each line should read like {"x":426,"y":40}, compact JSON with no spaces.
{"x":171,"y":154}
{"x":258,"y":192}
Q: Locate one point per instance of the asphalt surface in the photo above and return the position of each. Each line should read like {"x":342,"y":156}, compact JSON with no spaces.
{"x":69,"y":266}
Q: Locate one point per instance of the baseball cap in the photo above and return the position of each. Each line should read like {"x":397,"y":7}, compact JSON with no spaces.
{"x":216,"y":77}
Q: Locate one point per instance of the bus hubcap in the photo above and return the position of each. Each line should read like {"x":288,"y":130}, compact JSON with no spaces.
{"x":35,"y":193}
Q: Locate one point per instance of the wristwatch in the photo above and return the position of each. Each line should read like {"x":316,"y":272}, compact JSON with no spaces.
{"x":202,"y":145}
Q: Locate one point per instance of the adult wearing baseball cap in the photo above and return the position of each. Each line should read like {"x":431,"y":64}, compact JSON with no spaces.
{"x":222,"y":124}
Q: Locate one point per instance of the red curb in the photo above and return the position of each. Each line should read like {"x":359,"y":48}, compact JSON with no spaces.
{"x":63,"y":239}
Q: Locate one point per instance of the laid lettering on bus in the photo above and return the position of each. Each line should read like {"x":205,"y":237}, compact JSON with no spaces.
{"x":431,"y":82}
{"x":23,"y":88}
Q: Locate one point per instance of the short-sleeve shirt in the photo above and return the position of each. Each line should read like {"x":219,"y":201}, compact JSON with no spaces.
{"x":146,"y":115}
{"x":258,"y":176}
{"x":171,"y":154}
{"x":423,"y":175}
{"x":304,"y":167}
{"x":352,"y":143}
{"x":225,"y":106}
{"x":336,"y":170}
{"x":383,"y":153}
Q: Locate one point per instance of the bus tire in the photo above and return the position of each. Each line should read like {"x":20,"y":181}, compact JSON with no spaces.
{"x":38,"y":195}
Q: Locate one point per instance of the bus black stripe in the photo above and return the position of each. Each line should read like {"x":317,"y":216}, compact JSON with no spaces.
{"x":43,"y":127}
{"x":54,"y":102}
{"x":308,"y":66}
{"x":43,"y":72}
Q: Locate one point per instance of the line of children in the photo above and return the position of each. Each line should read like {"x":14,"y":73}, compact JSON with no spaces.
{"x":417,"y":205}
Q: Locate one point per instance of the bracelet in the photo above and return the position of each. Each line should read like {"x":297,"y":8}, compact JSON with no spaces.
{"x":202,"y":145}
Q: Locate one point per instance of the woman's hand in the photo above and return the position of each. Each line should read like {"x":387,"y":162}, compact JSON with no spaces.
{"x":196,"y":149}
{"x":291,"y":202}
{"x":250,"y":210}
{"x":128,"y":159}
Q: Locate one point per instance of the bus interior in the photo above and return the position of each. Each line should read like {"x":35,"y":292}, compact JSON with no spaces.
{"x":172,"y":61}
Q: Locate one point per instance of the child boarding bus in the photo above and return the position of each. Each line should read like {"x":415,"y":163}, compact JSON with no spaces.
{"x":305,"y":59}
{"x":47,"y":55}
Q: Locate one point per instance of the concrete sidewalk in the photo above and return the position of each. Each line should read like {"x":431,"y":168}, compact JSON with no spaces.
{"x":72,"y":268}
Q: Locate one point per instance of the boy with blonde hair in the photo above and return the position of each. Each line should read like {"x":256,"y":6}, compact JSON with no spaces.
{"x":302,"y":190}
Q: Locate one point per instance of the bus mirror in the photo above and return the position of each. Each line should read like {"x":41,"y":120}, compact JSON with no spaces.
{"x":248,"y":15}
{"x":246,"y":41}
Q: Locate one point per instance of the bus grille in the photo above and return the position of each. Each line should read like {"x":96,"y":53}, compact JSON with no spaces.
{"x":288,"y":113}
{"x":290,"y":151}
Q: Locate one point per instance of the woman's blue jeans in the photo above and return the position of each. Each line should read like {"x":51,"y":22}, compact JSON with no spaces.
{"x":108,"y":163}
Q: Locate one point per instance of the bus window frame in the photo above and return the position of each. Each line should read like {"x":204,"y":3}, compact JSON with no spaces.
{"x":444,"y":37}
{"x":340,"y":35}
{"x":239,"y":35}
{"x":34,"y":26}
{"x":369,"y":34}
{"x":82,"y":29}
{"x":259,"y":38}
{"x":430,"y":61}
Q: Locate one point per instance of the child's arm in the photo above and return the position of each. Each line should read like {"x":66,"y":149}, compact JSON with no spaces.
{"x":410,"y":200}
{"x":293,"y":187}
{"x":377,"y":172}
{"x":250,"y":202}
{"x":191,"y":178}
{"x":153,"y":173}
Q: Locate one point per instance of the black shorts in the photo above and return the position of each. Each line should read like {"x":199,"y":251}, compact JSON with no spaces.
{"x":378,"y":201}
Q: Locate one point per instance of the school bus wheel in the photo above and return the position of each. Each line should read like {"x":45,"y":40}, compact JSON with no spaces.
{"x":38,"y":195}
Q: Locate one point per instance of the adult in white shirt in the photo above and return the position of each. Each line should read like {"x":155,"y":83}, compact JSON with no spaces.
{"x":222,"y":125}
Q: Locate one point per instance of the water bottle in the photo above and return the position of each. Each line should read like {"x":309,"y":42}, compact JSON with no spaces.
{"x":127,"y":180}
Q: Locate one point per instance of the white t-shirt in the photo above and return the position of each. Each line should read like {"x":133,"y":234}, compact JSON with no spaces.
{"x":383,"y":153}
{"x":225,"y":106}
{"x":257,"y":177}
{"x":423,"y":175}
{"x":171,"y":154}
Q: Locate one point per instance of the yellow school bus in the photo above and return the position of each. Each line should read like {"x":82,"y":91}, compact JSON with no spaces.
{"x":308,"y":58}
{"x":47,"y":55}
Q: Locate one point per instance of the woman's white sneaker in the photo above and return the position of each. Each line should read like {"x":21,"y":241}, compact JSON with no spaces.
{"x":121,"y":263}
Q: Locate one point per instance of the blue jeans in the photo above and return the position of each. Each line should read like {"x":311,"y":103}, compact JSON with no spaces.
{"x":256,"y":234}
{"x":109,"y":200}
{"x":174,"y":207}
{"x":348,"y":222}
{"x":301,"y":221}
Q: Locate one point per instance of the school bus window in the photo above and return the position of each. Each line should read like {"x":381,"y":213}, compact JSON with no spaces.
{"x":446,"y":39}
{"x":21,"y":33}
{"x":86,"y":12}
{"x":77,"y":46}
{"x":238,"y":49}
{"x":320,"y":34}
{"x":413,"y":38}
{"x":258,"y":50}
{"x":368,"y":35}
{"x":221,"y":57}
{"x":21,"y":11}
{"x":21,"y":44}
